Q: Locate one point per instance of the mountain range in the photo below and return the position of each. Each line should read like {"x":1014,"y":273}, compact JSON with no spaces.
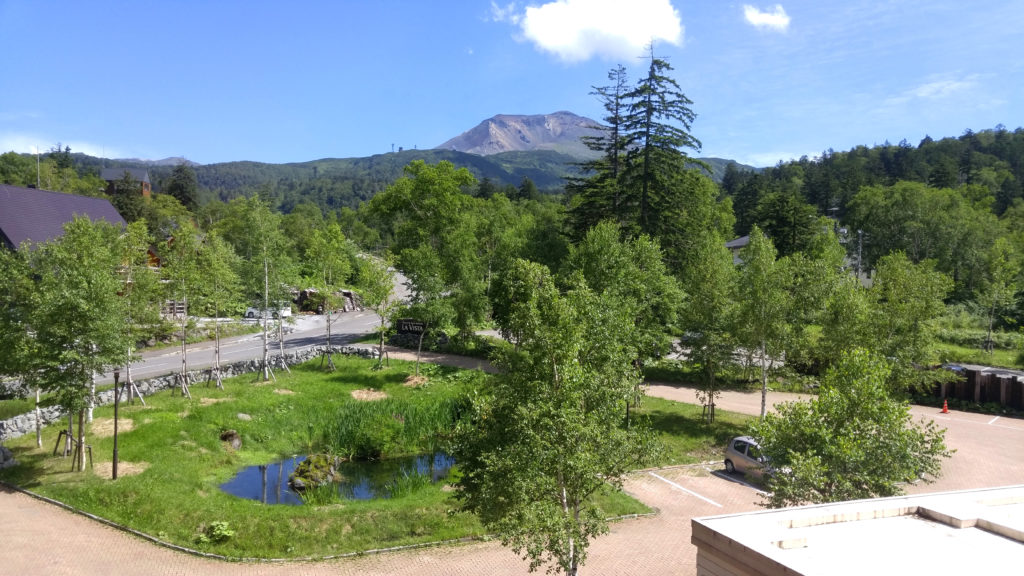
{"x":503,"y":149}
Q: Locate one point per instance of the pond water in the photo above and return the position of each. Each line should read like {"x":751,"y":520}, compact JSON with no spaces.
{"x":361,"y":480}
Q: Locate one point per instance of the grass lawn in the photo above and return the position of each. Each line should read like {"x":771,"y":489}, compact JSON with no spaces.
{"x":15,"y":406}
{"x":172,"y":463}
{"x":946,"y":352}
{"x":685,"y":437}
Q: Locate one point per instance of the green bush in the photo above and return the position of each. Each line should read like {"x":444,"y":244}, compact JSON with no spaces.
{"x":216,"y":532}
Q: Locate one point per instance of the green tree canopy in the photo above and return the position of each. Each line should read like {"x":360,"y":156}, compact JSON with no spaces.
{"x":551,"y":432}
{"x":633,"y":274}
{"x":184,"y":186}
{"x":852,"y":441}
{"x":78,"y":320}
{"x":763,"y":305}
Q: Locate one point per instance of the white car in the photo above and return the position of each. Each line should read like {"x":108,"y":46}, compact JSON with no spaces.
{"x":744,"y":455}
{"x":282,"y":311}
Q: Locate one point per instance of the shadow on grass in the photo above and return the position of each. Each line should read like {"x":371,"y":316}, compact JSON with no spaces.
{"x":686,"y":437}
{"x":675,"y":424}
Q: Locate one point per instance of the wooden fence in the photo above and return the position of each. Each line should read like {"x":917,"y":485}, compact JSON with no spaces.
{"x":983,"y":386}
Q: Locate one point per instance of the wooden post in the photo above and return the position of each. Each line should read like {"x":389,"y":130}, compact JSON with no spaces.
{"x":39,"y":423}
{"x":117,"y":401}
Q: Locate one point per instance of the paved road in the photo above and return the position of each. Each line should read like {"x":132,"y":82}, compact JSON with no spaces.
{"x":43,"y":539}
{"x":304,"y":331}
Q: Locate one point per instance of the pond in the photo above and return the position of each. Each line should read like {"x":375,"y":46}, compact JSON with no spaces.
{"x":361,"y":480}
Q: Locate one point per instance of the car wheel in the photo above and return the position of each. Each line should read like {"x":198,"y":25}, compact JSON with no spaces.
{"x":250,"y":315}
{"x":729,"y":468}
{"x":275,"y":315}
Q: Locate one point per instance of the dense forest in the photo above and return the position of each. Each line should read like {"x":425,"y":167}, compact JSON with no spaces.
{"x":946,"y":200}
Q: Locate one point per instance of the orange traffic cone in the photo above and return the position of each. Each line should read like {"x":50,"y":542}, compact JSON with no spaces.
{"x":945,"y":406}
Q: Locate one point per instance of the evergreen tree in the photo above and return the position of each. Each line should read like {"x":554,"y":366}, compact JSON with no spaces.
{"x":597,"y":196}
{"x":655,"y":134}
{"x":127,"y":197}
{"x":184,"y":186}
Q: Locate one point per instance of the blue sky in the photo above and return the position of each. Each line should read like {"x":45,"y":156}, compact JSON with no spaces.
{"x":218,"y":81}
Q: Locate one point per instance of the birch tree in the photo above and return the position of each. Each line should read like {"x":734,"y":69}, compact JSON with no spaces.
{"x":552,"y":434}
{"x":79,"y":325}
{"x":377,"y":287}
{"x":184,"y":279}
{"x":328,"y":261}
{"x":761,"y":313}
{"x":222,"y":291}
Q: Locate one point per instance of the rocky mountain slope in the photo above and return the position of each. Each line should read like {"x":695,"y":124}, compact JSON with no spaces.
{"x":559,"y":132}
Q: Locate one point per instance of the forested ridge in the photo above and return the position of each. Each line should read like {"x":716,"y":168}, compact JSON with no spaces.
{"x":330,"y":183}
{"x":945,"y":200}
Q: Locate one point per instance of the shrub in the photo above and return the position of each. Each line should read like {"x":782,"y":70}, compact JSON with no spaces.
{"x":216,"y":532}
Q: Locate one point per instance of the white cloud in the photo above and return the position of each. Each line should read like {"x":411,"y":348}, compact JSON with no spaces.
{"x":577,"y":30}
{"x":506,"y":13}
{"x":776,"y":20}
{"x":936,"y":90}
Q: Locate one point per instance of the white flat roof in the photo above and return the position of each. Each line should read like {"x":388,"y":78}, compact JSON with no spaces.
{"x":963,"y":533}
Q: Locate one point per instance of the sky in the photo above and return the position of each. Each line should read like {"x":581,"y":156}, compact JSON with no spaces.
{"x":220,"y":81}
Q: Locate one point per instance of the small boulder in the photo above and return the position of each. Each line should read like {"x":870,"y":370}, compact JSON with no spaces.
{"x":315,"y":470}
{"x":7,"y":458}
{"x":244,"y":417}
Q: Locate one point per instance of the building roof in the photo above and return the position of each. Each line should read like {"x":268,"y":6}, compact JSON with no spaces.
{"x":737,"y":243}
{"x":27,"y":214}
{"x":952,"y":533}
{"x":112,"y":174}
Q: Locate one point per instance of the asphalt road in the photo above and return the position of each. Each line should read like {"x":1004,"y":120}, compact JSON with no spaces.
{"x":305,"y":331}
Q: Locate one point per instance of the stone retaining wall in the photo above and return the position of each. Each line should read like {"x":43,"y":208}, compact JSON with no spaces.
{"x":26,"y":423}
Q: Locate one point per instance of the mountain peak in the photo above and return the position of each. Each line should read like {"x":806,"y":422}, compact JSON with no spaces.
{"x":560,"y":131}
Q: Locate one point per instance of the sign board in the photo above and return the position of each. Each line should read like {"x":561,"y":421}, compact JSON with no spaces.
{"x":410,"y":326}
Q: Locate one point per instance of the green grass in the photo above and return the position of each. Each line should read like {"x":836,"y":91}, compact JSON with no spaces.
{"x":177,"y":496}
{"x":686,"y":438}
{"x":945,"y":352}
{"x":15,"y":406}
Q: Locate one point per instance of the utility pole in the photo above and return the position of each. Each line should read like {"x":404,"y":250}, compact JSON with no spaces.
{"x":860,"y":245}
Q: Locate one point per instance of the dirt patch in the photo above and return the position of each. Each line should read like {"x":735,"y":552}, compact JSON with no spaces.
{"x":367,"y":395}
{"x":413,"y":381}
{"x":104,"y":427}
{"x":106,"y":469}
{"x":211,"y":401}
{"x":283,"y":391}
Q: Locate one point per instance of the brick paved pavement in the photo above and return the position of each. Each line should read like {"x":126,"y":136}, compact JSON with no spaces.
{"x":42,"y":539}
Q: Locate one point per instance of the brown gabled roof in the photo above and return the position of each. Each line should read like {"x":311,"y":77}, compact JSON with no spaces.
{"x":27,"y":214}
